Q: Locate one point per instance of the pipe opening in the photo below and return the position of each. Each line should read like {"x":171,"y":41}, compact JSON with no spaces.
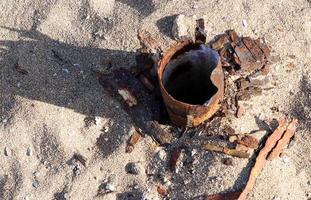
{"x":187,"y":78}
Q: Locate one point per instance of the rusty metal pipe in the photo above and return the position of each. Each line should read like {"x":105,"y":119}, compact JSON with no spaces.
{"x":191,"y":81}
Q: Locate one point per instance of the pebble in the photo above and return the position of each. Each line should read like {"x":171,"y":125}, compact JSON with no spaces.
{"x":109,"y":187}
{"x":76,"y":65}
{"x":227,"y":161}
{"x":18,"y":84}
{"x":4,"y":121}
{"x":35,"y":184}
{"x":285,"y":159}
{"x":193,"y":152}
{"x":133,"y":168}
{"x":244,"y":22}
{"x":136,"y":187}
{"x":29,"y":151}
{"x":66,"y":71}
{"x":276,"y":198}
{"x":162,"y":154}
{"x":183,"y":25}
{"x":106,"y":129}
{"x":7,"y":151}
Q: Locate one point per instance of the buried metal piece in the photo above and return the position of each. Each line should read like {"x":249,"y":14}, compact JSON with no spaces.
{"x":191,"y":81}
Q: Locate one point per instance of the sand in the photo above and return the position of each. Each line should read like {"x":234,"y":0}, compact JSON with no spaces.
{"x":59,"y":109}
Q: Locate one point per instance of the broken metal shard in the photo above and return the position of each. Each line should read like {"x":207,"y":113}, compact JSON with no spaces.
{"x":191,"y":81}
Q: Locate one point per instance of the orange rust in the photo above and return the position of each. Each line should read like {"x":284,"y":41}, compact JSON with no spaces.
{"x":182,"y":113}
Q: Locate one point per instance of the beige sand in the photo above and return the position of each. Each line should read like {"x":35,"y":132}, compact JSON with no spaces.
{"x":43,"y":114}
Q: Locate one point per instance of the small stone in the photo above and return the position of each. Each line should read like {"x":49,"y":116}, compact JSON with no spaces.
{"x":285,"y":159}
{"x":110,"y":187}
{"x":66,"y":71}
{"x":136,"y":187}
{"x":227,"y":161}
{"x":241,"y":111}
{"x":193,"y":152}
{"x":4,"y":121}
{"x":7,"y":151}
{"x":35,"y":184}
{"x":77,"y":65}
{"x":233,"y":138}
{"x":106,"y":129}
{"x":18,"y":84}
{"x":244,"y":22}
{"x":29,"y":151}
{"x":183,"y":26}
{"x":99,"y":33}
{"x":276,"y":198}
{"x":133,"y":168}
{"x":162,"y":154}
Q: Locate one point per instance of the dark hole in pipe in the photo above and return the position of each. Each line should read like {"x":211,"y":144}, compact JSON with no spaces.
{"x":188,"y":77}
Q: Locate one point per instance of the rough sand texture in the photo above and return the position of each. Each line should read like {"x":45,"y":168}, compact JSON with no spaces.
{"x":59,"y":108}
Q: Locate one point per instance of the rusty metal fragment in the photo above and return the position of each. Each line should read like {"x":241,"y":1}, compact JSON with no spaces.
{"x":247,"y":93}
{"x":162,"y":136}
{"x":193,"y":101}
{"x":221,"y":42}
{"x":262,"y":157}
{"x":241,"y":53}
{"x":226,"y":150}
{"x":289,"y":133}
{"x":248,"y":141}
{"x":133,"y":140}
{"x":161,"y":190}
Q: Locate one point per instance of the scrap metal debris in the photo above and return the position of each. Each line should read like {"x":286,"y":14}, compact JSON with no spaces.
{"x":234,"y":63}
{"x":262,"y":157}
{"x":273,"y":146}
{"x":226,"y":150}
{"x":243,"y":53}
{"x":186,"y":101}
{"x":289,"y":133}
{"x":161,"y":190}
{"x":248,"y":141}
{"x":133,"y":140}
